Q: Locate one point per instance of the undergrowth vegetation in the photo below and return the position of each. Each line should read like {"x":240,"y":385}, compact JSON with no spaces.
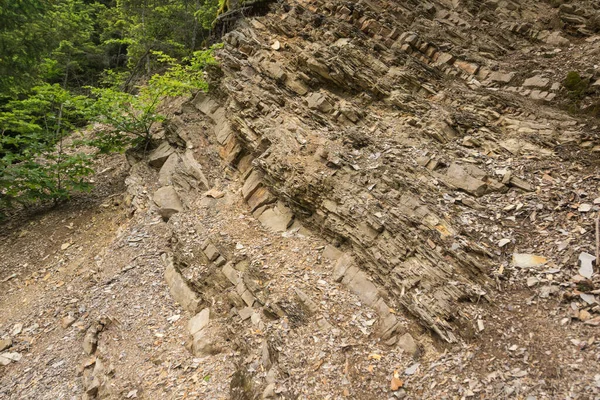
{"x":70,"y":63}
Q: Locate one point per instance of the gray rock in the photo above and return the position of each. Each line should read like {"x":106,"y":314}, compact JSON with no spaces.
{"x":269,"y":391}
{"x":168,"y":201}
{"x":278,"y":218}
{"x":586,"y":265}
{"x":202,"y":344}
{"x":232,"y":274}
{"x":90,"y":340}
{"x":7,"y":358}
{"x":331,"y":253}
{"x":408,"y":344}
{"x":167,"y":170}
{"x":211,"y":252}
{"x":5,"y":344}
{"x":459,"y":177}
{"x":318,"y":101}
{"x":199,"y":321}
{"x":246,"y":313}
{"x":159,"y":155}
{"x":536,"y":82}
{"x":502,"y":77}
{"x":358,"y":282}
{"x":179,"y":289}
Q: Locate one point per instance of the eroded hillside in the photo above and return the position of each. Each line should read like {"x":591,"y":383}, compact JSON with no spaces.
{"x":376,"y":199}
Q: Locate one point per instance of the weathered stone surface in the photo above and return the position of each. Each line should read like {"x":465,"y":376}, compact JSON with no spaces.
{"x":5,"y":344}
{"x":167,"y":199}
{"x":537,"y":82}
{"x":331,"y":253}
{"x":7,"y":358}
{"x":211,"y":252}
{"x":199,"y":321}
{"x":468,"y":67}
{"x":278,"y":218}
{"x":261,"y":196}
{"x":502,"y":77}
{"x":181,"y":292}
{"x":90,"y":340}
{"x":318,"y":101}
{"x":159,"y":155}
{"x":252,"y":183}
{"x":232,"y":274}
{"x":459,"y":177}
{"x":408,"y":344}
{"x":168,"y":170}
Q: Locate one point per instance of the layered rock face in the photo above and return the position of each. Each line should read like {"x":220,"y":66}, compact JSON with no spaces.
{"x":356,"y":120}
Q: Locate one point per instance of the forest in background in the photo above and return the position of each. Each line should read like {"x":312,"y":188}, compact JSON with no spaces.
{"x":67,"y":63}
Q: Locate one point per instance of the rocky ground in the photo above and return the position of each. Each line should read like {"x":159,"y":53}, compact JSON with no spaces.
{"x":376,"y":200}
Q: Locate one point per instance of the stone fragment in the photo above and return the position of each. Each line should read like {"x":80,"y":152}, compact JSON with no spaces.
{"x":167,"y":170}
{"x":307,"y":301}
{"x":199,"y":321}
{"x":232,"y":274}
{"x":252,"y":183}
{"x":340,"y":267}
{"x":523,"y":260}
{"x":90,"y":340}
{"x":168,"y":201}
{"x":269,"y":392}
{"x":158,"y":156}
{"x":549,"y":290}
{"x":182,"y":294}
{"x":7,"y":358}
{"x":203,"y":344}
{"x":5,"y":344}
{"x":584,"y":207}
{"x":278,"y":218}
{"x":262,"y":196}
{"x":458,"y":177}
{"x":246,"y":313}
{"x":412,"y":369}
{"x":556,"y":39}
{"x":586,"y":262}
{"x":503,"y":242}
{"x":520,"y":184}
{"x":331,"y":253}
{"x":359,"y":283}
{"x":536,"y":82}
{"x":211,"y":252}
{"x":469,"y":68}
{"x":318,"y":101}
{"x":67,"y":321}
{"x":408,"y":344}
{"x":502,"y":77}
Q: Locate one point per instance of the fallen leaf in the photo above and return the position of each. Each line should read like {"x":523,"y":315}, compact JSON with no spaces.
{"x":396,"y":383}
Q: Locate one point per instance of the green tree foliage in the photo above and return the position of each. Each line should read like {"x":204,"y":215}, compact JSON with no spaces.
{"x":36,"y":162}
{"x":127,"y":119}
{"x":54,"y":55}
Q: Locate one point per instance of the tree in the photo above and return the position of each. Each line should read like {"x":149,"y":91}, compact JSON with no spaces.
{"x":127,"y":119}
{"x":36,"y":163}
